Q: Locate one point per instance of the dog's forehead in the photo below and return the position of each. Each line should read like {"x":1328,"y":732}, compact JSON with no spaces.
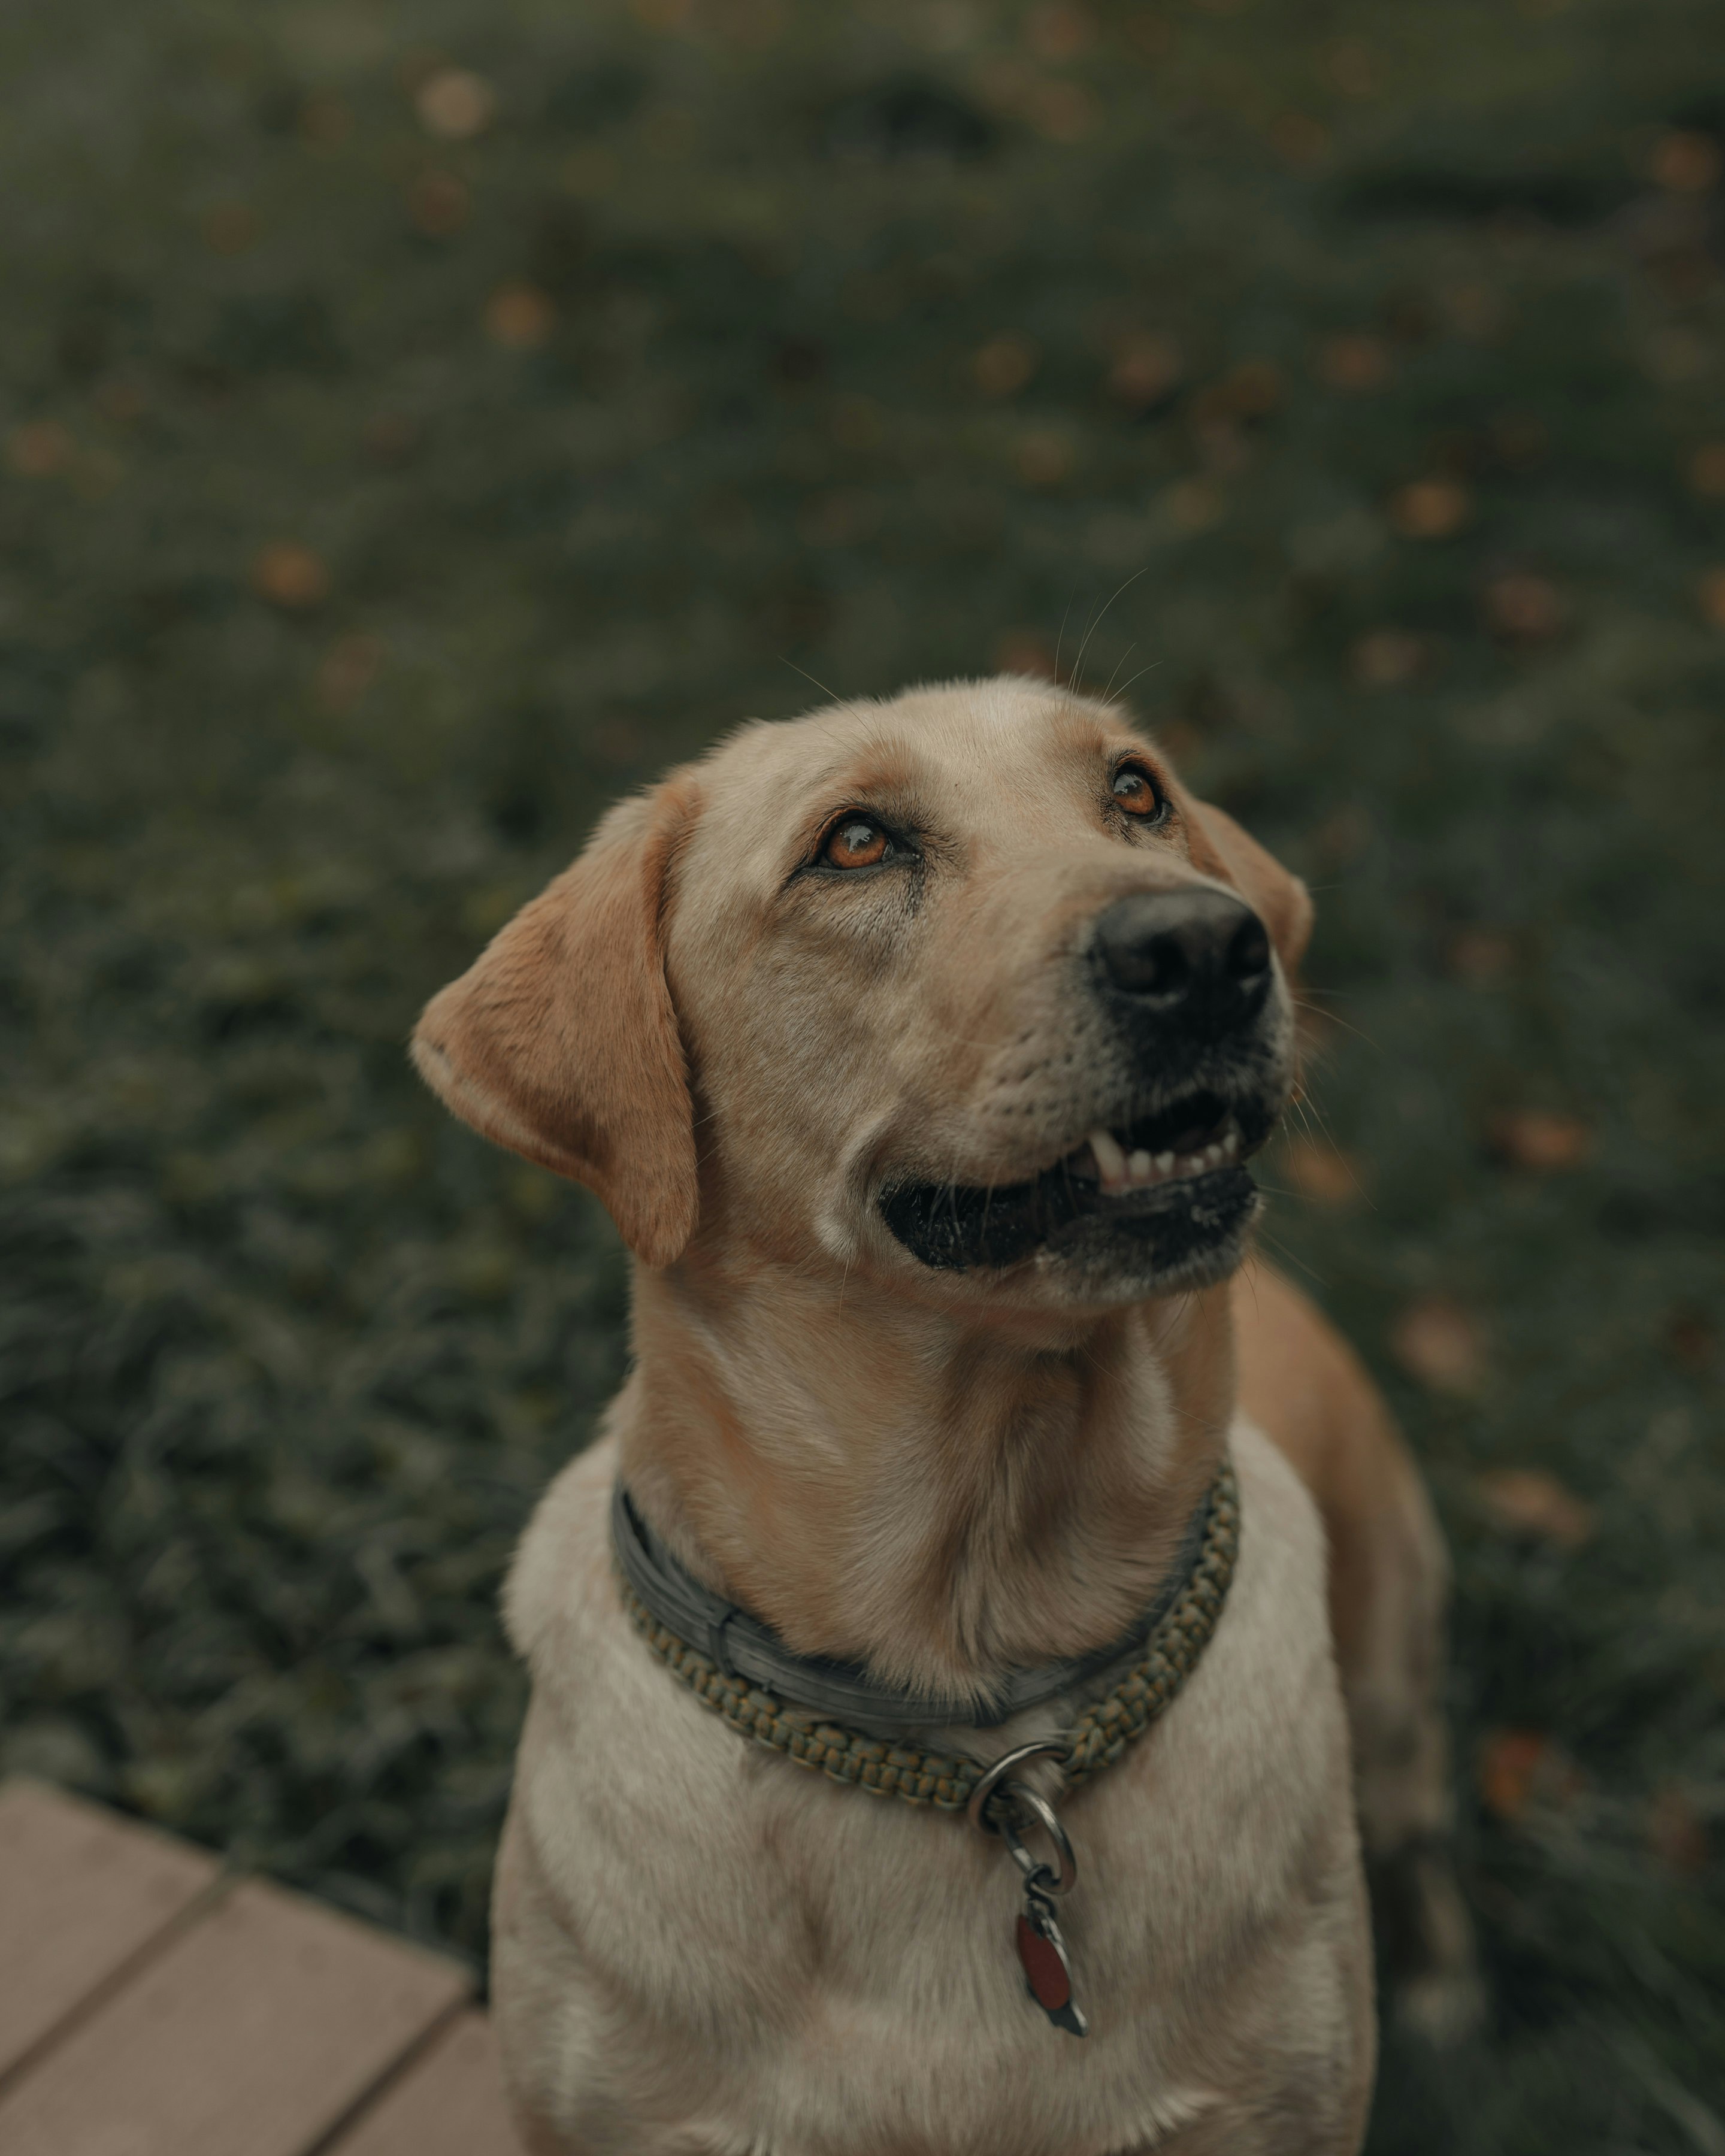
{"x":965,"y":748}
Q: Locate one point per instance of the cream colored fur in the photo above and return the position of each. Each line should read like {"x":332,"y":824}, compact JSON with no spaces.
{"x":700,"y":1950}
{"x":699,"y":1947}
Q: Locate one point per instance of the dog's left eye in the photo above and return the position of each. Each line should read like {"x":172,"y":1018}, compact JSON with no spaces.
{"x":1139,"y":794}
{"x":855,"y":842}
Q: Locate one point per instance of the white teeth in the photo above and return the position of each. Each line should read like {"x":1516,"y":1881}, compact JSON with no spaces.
{"x":1120,"y":1171}
{"x":1111,"y":1158}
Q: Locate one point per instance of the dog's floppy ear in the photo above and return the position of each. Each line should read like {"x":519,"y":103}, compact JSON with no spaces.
{"x":1281,"y":900}
{"x":560,"y":1041}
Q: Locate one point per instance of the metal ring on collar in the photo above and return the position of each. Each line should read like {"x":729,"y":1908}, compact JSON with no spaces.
{"x":989,"y":1780}
{"x":1038,"y":1876}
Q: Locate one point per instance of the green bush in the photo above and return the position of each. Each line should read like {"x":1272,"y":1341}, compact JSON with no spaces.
{"x":422,"y":422}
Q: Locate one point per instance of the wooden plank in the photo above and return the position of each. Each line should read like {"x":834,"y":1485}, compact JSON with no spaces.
{"x":82,"y":1893}
{"x":254,"y":2031}
{"x":449,"y":2102}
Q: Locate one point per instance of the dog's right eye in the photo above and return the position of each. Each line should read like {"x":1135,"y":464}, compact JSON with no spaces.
{"x":855,"y":842}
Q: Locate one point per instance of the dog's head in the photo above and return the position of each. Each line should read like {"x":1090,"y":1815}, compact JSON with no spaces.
{"x":963,"y":991}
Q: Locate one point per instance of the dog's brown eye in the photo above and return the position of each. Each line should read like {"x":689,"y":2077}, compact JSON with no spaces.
{"x":1137,"y":792}
{"x":855,"y":843}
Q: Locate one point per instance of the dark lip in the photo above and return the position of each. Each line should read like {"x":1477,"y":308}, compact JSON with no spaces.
{"x":1166,"y":1228}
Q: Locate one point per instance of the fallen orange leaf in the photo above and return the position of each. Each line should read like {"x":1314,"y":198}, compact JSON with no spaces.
{"x":437,"y":203}
{"x":1386,"y":658}
{"x":1686,"y":161}
{"x":347,"y":670}
{"x":1430,"y":509}
{"x":455,"y":104}
{"x":1063,"y":111}
{"x":1707,"y":470}
{"x":1480,"y":955}
{"x":1194,"y":504}
{"x":1436,"y":1341}
{"x":1145,"y":368}
{"x":1534,"y":1138}
{"x":230,"y":229}
{"x":1509,"y":1762}
{"x":1299,"y":140}
{"x":1691,"y":1340}
{"x":1526,"y":1501}
{"x":1353,"y":361}
{"x":1676,"y":1833}
{"x":1045,"y":456}
{"x":519,"y":317}
{"x":290,"y":575}
{"x":37,"y":448}
{"x":1523,"y":609}
{"x":1004,"y":365}
{"x":1060,"y":30}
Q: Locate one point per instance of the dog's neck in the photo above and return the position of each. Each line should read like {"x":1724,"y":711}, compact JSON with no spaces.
{"x":937,"y":1498}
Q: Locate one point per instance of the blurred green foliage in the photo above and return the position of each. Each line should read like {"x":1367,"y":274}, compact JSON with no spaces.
{"x":422,"y":421}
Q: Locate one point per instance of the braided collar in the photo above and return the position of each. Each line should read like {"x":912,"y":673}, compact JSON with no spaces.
{"x":792,"y":1705}
{"x":674,"y":1611}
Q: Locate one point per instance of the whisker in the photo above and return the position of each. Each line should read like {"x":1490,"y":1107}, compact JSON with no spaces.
{"x":1151,"y":669}
{"x":1334,"y":1018}
{"x":1293,"y":1257}
{"x":1060,"y":641}
{"x":808,"y":676}
{"x":1097,"y":623}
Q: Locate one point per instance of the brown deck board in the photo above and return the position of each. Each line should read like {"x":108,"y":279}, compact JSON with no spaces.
{"x":82,"y":1893}
{"x":250,"y":2034}
{"x":450,"y":2102}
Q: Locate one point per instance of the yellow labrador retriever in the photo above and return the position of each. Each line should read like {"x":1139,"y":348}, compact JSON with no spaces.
{"x":918,"y":1050}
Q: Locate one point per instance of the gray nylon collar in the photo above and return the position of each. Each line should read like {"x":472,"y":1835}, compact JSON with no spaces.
{"x":741,"y":1645}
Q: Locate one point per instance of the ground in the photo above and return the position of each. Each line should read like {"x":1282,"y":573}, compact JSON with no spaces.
{"x":422,"y":422}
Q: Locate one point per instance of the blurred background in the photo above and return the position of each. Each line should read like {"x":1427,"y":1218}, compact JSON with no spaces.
{"x":421,"y":421}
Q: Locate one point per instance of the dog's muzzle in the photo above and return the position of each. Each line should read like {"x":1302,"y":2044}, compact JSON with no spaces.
{"x":1157,"y":1194}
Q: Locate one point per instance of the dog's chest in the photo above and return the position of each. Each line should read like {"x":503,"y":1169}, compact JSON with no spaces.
{"x":790,"y":1966}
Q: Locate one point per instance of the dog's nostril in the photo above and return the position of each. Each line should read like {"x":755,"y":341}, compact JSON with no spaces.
{"x":1248,"y":954}
{"x":1148,"y":966}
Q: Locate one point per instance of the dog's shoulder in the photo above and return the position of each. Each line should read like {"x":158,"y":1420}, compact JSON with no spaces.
{"x":1267,"y":1686}
{"x":1282,"y":1546}
{"x":560,"y":1586}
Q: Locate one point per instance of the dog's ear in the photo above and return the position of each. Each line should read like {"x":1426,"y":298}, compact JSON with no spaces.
{"x":1281,"y":900}
{"x":560,"y":1041}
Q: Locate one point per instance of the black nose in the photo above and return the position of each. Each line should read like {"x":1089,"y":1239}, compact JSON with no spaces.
{"x":1198,"y":958}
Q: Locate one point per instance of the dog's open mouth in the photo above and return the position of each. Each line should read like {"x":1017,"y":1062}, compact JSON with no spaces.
{"x":1164,"y":1196}
{"x":1200,"y":1133}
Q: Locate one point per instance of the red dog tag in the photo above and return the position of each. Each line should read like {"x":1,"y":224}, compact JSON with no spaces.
{"x":1047,"y":1972}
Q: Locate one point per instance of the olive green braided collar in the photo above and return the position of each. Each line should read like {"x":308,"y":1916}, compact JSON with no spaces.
{"x":1164,"y":1647}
